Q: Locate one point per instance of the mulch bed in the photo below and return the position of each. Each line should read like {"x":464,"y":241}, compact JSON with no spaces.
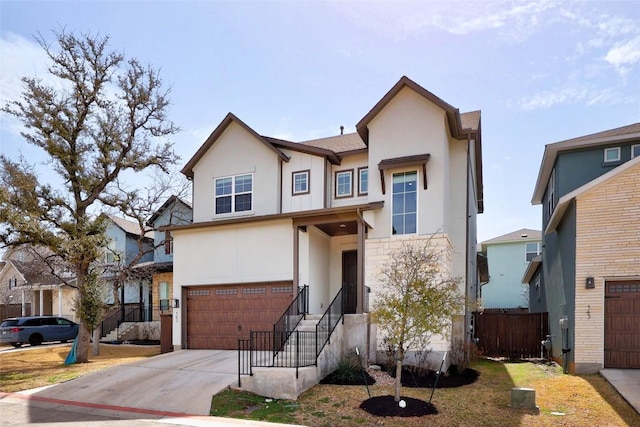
{"x":385,"y":406}
{"x":359,"y":379}
{"x":413,"y":378}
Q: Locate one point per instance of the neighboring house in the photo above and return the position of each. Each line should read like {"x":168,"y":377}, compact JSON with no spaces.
{"x":508,"y":257}
{"x":270,"y":216}
{"x":26,"y":280}
{"x":175,"y":211}
{"x":589,"y":188}
{"x":126,"y":248}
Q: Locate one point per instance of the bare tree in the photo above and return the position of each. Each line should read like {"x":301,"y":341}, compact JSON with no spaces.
{"x":106,"y":117}
{"x":417,"y":299}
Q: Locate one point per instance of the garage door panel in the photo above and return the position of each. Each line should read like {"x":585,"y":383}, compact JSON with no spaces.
{"x":622,"y":324}
{"x":217,"y":316}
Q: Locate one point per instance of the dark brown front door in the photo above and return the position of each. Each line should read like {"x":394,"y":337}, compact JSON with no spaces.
{"x":622,"y":325}
{"x":349,"y":277}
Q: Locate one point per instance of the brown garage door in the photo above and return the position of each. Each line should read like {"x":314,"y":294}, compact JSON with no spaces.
{"x":622,"y":325}
{"x":218,"y":315}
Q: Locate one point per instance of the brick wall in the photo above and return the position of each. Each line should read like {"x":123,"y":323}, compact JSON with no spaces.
{"x":155,"y":293}
{"x":607,"y":247}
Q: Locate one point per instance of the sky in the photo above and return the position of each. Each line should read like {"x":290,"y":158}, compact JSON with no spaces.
{"x":540,"y":72}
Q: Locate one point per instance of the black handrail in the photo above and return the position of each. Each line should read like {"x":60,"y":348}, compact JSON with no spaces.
{"x":329,"y":321}
{"x":113,"y":321}
{"x":287,"y":323}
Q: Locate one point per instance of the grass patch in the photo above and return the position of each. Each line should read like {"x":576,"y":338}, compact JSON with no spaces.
{"x":239,"y":404}
{"x":33,"y":368}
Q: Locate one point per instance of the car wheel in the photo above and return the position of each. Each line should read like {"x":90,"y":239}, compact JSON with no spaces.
{"x":35,"y":339}
{"x":16,"y":344}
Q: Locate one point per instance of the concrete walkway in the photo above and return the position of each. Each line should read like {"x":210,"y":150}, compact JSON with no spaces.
{"x":627,"y":383}
{"x":181,"y":382}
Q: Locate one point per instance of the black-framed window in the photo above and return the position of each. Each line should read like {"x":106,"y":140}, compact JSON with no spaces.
{"x":405,"y":203}
{"x":234,"y":194}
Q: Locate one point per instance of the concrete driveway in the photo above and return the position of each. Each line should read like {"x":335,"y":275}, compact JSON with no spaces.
{"x":181,"y":382}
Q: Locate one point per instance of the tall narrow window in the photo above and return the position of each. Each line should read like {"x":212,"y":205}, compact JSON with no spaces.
{"x":363,"y":181}
{"x":635,"y":151}
{"x":163,"y":293}
{"x":344,"y":184}
{"x":405,"y":203}
{"x":168,"y":242}
{"x":300,"y":182}
{"x":551,"y":192}
{"x":234,"y":194}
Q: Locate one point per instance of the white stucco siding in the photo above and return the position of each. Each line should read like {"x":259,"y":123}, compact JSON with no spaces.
{"x":236,"y":152}
{"x":353,"y":164}
{"x":319,"y":271}
{"x":300,"y":162}
{"x":410,"y":125}
{"x":456,"y":208}
{"x":242,"y":253}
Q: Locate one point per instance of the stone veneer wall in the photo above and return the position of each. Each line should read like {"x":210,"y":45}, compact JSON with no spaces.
{"x":607,"y":248}
{"x":377,"y":251}
{"x":155,"y":293}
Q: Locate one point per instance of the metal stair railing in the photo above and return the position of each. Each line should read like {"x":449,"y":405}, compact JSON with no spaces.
{"x":329,"y":321}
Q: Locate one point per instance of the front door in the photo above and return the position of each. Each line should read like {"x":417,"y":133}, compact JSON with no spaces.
{"x":349,"y":275}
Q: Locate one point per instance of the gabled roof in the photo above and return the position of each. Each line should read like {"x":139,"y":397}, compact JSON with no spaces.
{"x":612,"y":136}
{"x":303,"y":148}
{"x":338,"y":143}
{"x":165,"y":205}
{"x":453,"y":114}
{"x":533,"y":266}
{"x":217,"y":132}
{"x":129,"y":227}
{"x":565,"y":200}
{"x":522,"y":235}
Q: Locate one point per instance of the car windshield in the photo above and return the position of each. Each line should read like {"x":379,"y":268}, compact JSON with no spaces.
{"x":9,"y":322}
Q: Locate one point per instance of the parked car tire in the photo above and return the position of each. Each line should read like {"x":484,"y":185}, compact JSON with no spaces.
{"x":35,"y":339}
{"x":16,"y":344}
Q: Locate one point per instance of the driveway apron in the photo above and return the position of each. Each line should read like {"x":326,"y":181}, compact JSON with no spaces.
{"x":181,"y":382}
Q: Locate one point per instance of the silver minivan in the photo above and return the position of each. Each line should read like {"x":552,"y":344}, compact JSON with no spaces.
{"x":35,"y":330}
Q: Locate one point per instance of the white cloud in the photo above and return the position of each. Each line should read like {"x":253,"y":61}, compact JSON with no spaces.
{"x":573,"y":95}
{"x":19,"y":57}
{"x":624,"y":55}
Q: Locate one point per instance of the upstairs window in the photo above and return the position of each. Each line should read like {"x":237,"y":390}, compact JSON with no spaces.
{"x":405,"y":203}
{"x":612,"y":154}
{"x":532,"y":250}
{"x":635,"y":151}
{"x":551,"y":190}
{"x":363,"y":181}
{"x":300,"y":182}
{"x":168,"y":243}
{"x":344,"y":184}
{"x":234,"y":194}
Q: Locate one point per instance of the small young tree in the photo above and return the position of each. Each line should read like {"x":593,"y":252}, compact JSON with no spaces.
{"x":416,"y":299}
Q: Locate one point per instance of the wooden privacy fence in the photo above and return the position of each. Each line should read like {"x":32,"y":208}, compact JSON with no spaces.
{"x":14,"y":310}
{"x":508,"y":334}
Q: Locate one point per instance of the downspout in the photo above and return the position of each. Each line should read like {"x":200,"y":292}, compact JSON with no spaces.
{"x":467,"y":316}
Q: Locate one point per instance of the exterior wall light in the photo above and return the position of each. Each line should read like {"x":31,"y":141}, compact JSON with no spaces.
{"x":590,"y":283}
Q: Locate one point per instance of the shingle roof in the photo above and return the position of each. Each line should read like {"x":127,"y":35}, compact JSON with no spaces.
{"x":129,"y":226}
{"x":338,"y":143}
{"x":611,"y":136}
{"x":470,"y":120}
{"x":524,"y":234}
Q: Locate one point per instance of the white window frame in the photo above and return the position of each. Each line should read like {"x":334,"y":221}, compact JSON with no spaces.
{"x":404,"y":213}
{"x":344,"y":195}
{"x":608,"y":150}
{"x":306,"y":190}
{"x":527,"y":251}
{"x":233,"y":194}
{"x":633,"y":148}
{"x":360,"y":172}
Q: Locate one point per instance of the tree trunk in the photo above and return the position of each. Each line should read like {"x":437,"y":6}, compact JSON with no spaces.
{"x":82,"y":352}
{"x":95,"y":348}
{"x":398,"y":380}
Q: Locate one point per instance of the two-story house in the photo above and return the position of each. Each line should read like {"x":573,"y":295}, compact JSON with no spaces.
{"x":508,"y":257}
{"x":174,"y":211}
{"x":270,"y":216}
{"x":589,"y":188}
